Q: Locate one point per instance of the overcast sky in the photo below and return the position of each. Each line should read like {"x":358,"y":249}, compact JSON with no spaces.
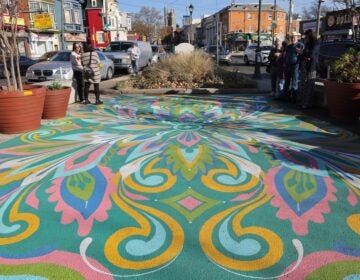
{"x":202,"y":7}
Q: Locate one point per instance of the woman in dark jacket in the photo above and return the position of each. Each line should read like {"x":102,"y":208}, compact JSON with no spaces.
{"x":91,"y":59}
{"x":274,"y":55}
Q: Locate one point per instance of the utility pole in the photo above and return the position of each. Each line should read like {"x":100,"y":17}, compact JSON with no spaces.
{"x":318,"y":19}
{"x":62,"y":25}
{"x":273,"y":24}
{"x":290,"y":17}
{"x":257,"y":74}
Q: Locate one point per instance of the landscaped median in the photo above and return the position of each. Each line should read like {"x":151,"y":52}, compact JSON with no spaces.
{"x":192,"y":73}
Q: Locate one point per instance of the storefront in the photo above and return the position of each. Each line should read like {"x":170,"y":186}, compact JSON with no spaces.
{"x":71,"y":38}
{"x":338,"y":25}
{"x":43,"y":42}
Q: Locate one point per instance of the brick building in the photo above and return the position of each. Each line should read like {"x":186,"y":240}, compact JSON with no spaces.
{"x":241,"y":21}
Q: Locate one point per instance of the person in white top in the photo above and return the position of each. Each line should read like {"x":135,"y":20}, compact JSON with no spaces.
{"x":134,"y":53}
{"x":77,"y":67}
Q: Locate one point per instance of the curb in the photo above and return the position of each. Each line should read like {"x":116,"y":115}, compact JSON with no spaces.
{"x":165,"y":91}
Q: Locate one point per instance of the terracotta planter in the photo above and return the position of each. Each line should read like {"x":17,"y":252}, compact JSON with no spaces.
{"x":21,"y":113}
{"x":56,"y":103}
{"x":343,"y":100}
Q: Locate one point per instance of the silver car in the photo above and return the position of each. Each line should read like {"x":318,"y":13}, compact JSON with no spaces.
{"x":59,"y":68}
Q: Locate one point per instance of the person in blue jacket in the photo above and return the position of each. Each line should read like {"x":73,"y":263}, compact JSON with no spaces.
{"x":292,"y":60}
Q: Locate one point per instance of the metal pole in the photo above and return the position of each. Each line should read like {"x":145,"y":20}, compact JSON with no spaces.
{"x":273,"y":24}
{"x":190,"y":27}
{"x":257,"y":74}
{"x":244,"y":18}
{"x":217,"y":42}
{"x":62,"y":25}
{"x":290,"y":17}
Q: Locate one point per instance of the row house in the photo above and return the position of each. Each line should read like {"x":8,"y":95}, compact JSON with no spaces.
{"x":70,"y":21}
{"x":241,"y":20}
{"x":22,"y":22}
{"x":105,"y":23}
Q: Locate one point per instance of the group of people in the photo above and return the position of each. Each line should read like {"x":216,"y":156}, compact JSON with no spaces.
{"x":85,"y":58}
{"x":82,"y":58}
{"x":288,"y":61}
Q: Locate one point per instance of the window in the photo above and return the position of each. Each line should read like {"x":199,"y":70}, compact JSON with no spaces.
{"x":34,"y":6}
{"x":76,"y":17}
{"x":270,"y":16}
{"x":93,"y":3}
{"x":67,"y":15}
{"x":249,"y":16}
{"x":250,"y":29}
{"x":100,"y":37}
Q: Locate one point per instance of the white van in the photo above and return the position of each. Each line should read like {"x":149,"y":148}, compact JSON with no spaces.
{"x":117,"y":51}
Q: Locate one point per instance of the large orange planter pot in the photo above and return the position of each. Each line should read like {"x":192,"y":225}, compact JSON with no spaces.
{"x":21,"y":113}
{"x":343,"y":100}
{"x":56,"y":103}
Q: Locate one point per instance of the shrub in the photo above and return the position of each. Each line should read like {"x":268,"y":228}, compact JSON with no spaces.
{"x":55,"y":86}
{"x":347,"y":67}
{"x":192,"y":70}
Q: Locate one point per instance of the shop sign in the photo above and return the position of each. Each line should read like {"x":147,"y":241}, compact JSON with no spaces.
{"x":19,"y":21}
{"x":81,"y":37}
{"x":340,"y":19}
{"x":42,"y":21}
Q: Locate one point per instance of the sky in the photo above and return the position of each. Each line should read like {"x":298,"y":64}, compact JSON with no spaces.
{"x":202,"y":7}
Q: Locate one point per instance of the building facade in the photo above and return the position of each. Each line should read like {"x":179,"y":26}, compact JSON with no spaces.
{"x":237,"y":24}
{"x":42,"y":40}
{"x":69,"y":18}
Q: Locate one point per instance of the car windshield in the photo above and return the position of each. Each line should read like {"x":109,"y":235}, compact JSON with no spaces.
{"x":154,"y":49}
{"x":61,"y":56}
{"x":118,"y":46}
{"x":266,"y":48}
{"x":47,"y":55}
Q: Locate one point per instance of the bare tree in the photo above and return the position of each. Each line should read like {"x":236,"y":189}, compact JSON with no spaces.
{"x":9,"y":14}
{"x":148,"y":22}
{"x":311,"y":11}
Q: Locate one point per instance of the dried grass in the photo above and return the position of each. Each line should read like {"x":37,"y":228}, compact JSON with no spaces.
{"x":194,"y":70}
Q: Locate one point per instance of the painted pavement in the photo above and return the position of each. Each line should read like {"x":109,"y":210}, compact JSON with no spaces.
{"x":181,"y":188}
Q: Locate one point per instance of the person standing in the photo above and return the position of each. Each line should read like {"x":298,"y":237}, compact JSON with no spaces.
{"x":77,"y":68}
{"x":308,"y":69}
{"x":134,"y":53}
{"x":292,"y":53}
{"x":274,"y":55}
{"x":91,"y":59}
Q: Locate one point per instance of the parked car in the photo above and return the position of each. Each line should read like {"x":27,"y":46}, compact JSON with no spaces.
{"x":250,"y":53}
{"x":224,"y":56}
{"x":59,"y":68}
{"x":24,"y":63}
{"x":158,"y":53}
{"x":46,"y":56}
{"x":329,"y":51}
{"x":118,"y":52}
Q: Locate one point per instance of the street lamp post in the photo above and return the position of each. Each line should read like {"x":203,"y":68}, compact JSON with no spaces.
{"x":245,"y":8}
{"x":191,"y":9}
{"x":318,"y":19}
{"x":257,"y":74}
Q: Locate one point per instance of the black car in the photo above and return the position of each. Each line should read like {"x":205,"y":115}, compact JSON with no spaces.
{"x":328,"y":52}
{"x":24,"y":64}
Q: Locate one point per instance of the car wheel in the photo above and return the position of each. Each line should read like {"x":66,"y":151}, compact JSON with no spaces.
{"x":246,"y":60}
{"x":109,"y":73}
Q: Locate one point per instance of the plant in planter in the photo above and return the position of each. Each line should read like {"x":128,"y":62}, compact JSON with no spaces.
{"x":56,"y":101}
{"x":343,"y":93}
{"x":20,"y":106}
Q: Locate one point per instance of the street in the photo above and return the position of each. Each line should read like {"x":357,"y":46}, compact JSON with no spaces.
{"x":236,"y":65}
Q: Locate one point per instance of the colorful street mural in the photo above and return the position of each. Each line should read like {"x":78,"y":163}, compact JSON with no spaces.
{"x":173,"y":187}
